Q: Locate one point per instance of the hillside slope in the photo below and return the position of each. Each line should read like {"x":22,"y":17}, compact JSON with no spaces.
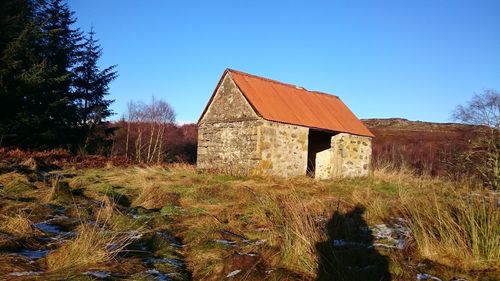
{"x":425,"y":146}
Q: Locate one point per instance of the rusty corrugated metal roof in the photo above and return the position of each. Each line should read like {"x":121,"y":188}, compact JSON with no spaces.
{"x":286,"y":103}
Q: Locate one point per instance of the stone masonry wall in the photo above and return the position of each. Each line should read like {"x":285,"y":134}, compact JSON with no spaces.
{"x":324,"y":165}
{"x":227,"y":133}
{"x":351,"y":155}
{"x":282,"y":149}
{"x":228,"y":105}
{"x":254,"y":146}
{"x":228,"y":147}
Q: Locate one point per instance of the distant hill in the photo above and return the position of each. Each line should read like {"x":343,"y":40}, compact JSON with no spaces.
{"x":405,"y":124}
{"x":425,"y":146}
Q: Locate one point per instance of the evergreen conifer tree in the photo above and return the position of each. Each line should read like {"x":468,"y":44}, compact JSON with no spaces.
{"x":51,"y":89}
{"x":91,"y":86}
{"x":23,"y":72}
{"x":61,"y":46}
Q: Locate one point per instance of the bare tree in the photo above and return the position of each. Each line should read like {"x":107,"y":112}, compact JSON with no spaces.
{"x":131,"y":109}
{"x":483,"y":109}
{"x":163,"y":115}
{"x":484,"y":155}
{"x":149,"y":121}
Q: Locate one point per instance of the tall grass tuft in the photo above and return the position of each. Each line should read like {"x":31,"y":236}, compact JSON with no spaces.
{"x":19,"y":224}
{"x":93,"y":246}
{"x":153,"y":196}
{"x":295,"y":230}
{"x":457,"y":230}
{"x":58,"y":188}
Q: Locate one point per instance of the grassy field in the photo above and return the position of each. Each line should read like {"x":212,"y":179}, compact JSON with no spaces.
{"x":177,"y":223}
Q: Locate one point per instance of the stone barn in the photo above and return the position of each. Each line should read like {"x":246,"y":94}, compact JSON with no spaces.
{"x":253,"y":124}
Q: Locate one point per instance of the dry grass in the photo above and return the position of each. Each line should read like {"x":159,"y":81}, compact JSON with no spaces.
{"x":294,"y":228}
{"x":460,"y":230}
{"x":57,"y":188}
{"x":448,"y":229}
{"x":106,"y":211}
{"x":153,"y":196}
{"x":18,"y":224}
{"x":456,"y":223}
{"x":15,"y":182}
{"x":94,"y":246}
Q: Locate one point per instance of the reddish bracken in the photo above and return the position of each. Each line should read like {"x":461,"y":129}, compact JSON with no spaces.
{"x":427,"y":148}
{"x":62,"y":158}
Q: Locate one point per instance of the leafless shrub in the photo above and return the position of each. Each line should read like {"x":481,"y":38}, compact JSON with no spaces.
{"x":484,"y":155}
{"x":146,"y":126}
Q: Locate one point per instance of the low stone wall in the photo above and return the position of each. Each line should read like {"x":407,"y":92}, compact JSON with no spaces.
{"x":324,"y":168}
{"x":351,"y":155}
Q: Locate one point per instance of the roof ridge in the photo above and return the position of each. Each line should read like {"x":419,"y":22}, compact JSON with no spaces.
{"x":281,"y":83}
{"x":323,"y":93}
{"x":263,"y":78}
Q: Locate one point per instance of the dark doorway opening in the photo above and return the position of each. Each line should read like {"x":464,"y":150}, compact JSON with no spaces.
{"x":317,"y":142}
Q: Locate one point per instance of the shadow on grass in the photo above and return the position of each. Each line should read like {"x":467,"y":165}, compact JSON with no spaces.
{"x":349,"y":254}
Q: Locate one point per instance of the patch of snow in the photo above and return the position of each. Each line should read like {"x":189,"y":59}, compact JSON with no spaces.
{"x":158,"y":275}
{"x":425,"y":277}
{"x":33,"y":254}
{"x":48,"y":227}
{"x":25,"y":273}
{"x":173,"y":241}
{"x":258,"y":242}
{"x":225,"y":242}
{"x":135,"y":235}
{"x":98,"y":274}
{"x":340,"y":243}
{"x":233,"y":273}
{"x":392,"y":237}
{"x":249,"y":254}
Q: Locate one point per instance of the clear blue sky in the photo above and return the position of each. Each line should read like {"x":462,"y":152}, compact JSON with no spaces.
{"x":412,"y":59}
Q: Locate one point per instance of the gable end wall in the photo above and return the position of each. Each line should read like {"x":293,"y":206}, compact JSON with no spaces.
{"x":228,"y":105}
{"x":227,"y":133}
